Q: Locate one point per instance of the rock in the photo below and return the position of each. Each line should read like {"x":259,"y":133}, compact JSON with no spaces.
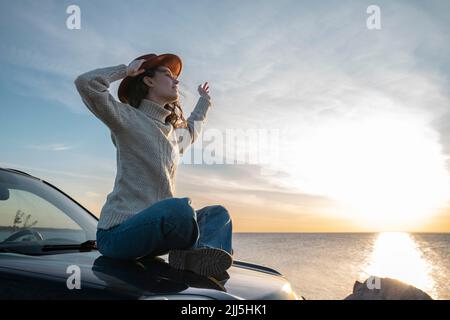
{"x":386,"y":289}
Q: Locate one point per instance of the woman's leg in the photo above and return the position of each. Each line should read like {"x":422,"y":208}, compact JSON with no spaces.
{"x":166,"y":225}
{"x":215,"y":228}
{"x":210,"y":254}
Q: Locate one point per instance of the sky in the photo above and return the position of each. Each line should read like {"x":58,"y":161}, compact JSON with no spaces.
{"x":352,"y":123}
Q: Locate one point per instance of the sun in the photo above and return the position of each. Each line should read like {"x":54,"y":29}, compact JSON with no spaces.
{"x":386,"y":171}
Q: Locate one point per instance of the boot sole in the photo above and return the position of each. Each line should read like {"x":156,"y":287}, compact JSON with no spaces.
{"x":203,"y":261}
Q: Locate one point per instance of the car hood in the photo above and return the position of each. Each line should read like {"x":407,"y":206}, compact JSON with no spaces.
{"x":149,"y":277}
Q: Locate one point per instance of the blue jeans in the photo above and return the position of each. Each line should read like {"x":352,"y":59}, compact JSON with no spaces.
{"x":166,"y":225}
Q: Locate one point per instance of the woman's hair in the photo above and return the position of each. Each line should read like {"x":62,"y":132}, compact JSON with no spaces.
{"x":138,"y":90}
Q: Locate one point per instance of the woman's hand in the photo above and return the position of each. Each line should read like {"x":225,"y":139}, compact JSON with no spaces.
{"x":204,"y":90}
{"x":133,"y":68}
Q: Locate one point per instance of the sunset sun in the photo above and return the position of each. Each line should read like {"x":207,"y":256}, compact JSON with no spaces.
{"x":386,"y":172}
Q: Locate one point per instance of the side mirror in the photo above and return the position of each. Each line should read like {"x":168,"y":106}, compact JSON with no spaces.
{"x":4,"y":193}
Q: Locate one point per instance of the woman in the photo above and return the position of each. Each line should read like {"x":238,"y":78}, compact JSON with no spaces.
{"x":141,"y":216}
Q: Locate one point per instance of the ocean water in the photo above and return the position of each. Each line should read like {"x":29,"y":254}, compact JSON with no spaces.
{"x":326,"y":265}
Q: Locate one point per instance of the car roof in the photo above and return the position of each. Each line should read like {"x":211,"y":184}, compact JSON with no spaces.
{"x":25,"y":174}
{"x":19,"y":172}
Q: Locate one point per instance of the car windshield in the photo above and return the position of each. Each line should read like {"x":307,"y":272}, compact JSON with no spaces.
{"x":34,"y":214}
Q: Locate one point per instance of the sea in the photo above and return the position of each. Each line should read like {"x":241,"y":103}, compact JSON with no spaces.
{"x":326,"y":265}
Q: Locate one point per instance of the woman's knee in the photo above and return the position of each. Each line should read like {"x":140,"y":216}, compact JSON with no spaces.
{"x":180,"y":211}
{"x":180,"y":222}
{"x":173,"y":205}
{"x":175,"y":211}
{"x":220,"y":212}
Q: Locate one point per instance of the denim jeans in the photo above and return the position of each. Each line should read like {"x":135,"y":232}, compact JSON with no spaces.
{"x":166,"y":225}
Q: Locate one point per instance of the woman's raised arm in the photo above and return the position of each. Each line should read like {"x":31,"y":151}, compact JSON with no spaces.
{"x":93,"y":88}
{"x":196,"y":120}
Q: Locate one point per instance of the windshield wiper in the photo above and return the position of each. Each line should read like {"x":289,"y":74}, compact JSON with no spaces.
{"x":85,"y":246}
{"x":12,"y":250}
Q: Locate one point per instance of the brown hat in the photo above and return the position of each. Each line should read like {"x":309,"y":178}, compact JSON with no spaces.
{"x":171,"y":61}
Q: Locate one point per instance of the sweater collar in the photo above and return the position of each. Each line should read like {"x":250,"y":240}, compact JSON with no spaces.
{"x":154,"y":110}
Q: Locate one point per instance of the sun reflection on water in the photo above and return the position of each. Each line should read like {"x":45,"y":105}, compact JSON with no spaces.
{"x":396,"y":255}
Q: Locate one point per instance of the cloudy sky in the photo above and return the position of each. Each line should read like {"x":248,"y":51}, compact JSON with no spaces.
{"x":358,"y":120}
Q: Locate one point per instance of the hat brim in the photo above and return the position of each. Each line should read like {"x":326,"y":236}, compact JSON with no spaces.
{"x":171,"y":61}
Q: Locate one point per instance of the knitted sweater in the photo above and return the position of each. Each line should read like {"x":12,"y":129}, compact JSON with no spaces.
{"x":147,"y":150}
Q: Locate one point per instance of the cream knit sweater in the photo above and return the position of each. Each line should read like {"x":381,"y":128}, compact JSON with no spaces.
{"x":147,"y":149}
